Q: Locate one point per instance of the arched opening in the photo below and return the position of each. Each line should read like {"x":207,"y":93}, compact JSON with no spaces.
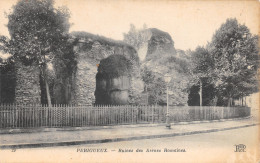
{"x":113,"y":80}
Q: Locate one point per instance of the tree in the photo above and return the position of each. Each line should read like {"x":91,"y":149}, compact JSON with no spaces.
{"x":201,"y":68}
{"x":135,"y":37}
{"x":38,"y":32}
{"x":154,"y":86}
{"x":64,"y":65}
{"x":209,"y":97}
{"x":157,"y":91}
{"x":235,"y":53}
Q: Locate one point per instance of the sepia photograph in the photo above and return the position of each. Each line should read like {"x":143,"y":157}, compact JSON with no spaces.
{"x":129,"y":81}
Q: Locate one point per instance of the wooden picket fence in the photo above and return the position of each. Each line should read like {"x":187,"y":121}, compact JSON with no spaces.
{"x":31,"y":116}
{"x":20,"y":116}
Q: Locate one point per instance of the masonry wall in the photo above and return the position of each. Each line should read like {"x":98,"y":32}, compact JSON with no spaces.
{"x":27,"y":90}
{"x":89,"y":54}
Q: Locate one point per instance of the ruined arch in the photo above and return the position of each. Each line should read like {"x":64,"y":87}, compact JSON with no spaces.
{"x":90,"y":51}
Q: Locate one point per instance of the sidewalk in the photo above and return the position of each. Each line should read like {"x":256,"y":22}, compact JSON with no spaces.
{"x":77,"y":136}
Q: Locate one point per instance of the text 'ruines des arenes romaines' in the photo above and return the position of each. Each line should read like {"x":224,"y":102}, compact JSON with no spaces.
{"x":120,"y":150}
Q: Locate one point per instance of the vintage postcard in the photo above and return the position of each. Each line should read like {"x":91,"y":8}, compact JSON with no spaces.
{"x":129,"y":81}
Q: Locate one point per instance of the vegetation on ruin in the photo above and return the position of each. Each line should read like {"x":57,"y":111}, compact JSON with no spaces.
{"x":227,"y":65}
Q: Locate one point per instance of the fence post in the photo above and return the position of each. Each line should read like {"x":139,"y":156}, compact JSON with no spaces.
{"x":120,"y":112}
{"x":55,"y":115}
{"x":13,"y":112}
{"x":126,"y":114}
{"x":205,"y":114}
{"x":108,"y":114}
{"x":51,"y":114}
{"x":27,"y":110}
{"x":100,"y":120}
{"x":16,"y":116}
{"x":52,"y":111}
{"x":113,"y":116}
{"x":105,"y":115}
{"x":102,"y":117}
{"x":120,"y":118}
{"x":96,"y":114}
{"x":147,"y":114}
{"x":33,"y":115}
{"x":22,"y":115}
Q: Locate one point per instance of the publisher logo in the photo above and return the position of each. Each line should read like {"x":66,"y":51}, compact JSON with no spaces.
{"x":240,"y":148}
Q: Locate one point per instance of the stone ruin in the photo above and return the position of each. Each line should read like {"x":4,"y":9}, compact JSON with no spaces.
{"x":91,"y":52}
{"x":83,"y":87}
{"x":27,"y":90}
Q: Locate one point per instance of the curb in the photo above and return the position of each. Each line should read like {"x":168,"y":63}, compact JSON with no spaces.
{"x":33,"y":130}
{"x":40,"y":145}
{"x":211,"y":121}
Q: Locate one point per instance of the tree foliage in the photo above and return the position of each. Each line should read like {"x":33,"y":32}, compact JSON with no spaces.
{"x":155,"y":86}
{"x":37,"y":30}
{"x":235,"y":53}
{"x":135,"y":37}
{"x":39,"y":34}
{"x":201,"y":69}
{"x":229,"y":62}
{"x":202,"y":63}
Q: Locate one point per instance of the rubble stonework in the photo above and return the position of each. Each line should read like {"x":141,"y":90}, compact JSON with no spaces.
{"x":89,"y":53}
{"x":27,"y":90}
{"x":159,"y":55}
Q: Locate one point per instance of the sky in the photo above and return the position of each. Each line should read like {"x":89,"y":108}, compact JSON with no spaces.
{"x":190,"y":23}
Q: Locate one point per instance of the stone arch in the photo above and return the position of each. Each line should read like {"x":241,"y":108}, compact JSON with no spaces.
{"x":89,"y":53}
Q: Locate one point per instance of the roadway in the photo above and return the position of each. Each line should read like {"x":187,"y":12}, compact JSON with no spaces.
{"x":207,"y":147}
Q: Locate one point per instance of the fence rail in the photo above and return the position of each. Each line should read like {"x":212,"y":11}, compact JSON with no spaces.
{"x":20,"y":116}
